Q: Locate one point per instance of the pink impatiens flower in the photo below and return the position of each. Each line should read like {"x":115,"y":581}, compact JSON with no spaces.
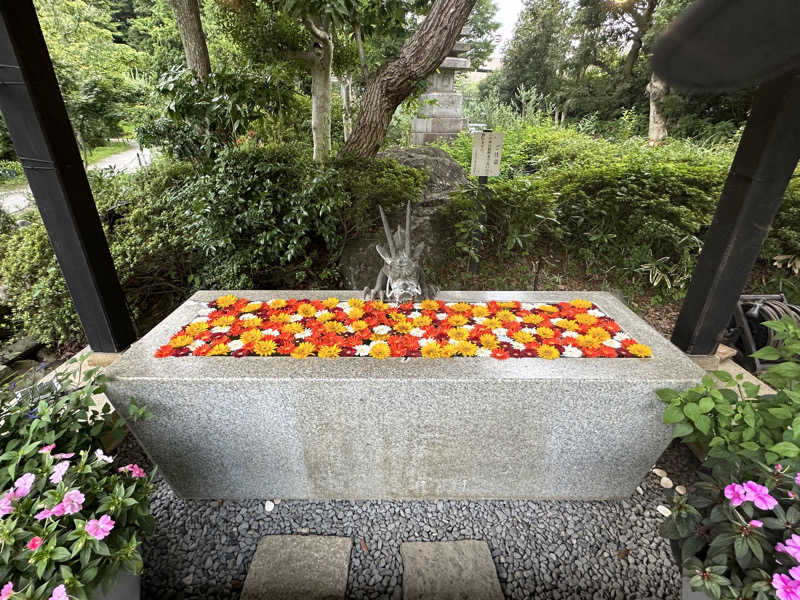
{"x":34,"y":543}
{"x":755,"y":523}
{"x":797,"y":479}
{"x":23,"y":485}
{"x":6,"y":508}
{"x":134,"y":470}
{"x":735,"y":493}
{"x":99,"y":528}
{"x":59,"y":593}
{"x":64,"y":455}
{"x":787,"y":588}
{"x":791,"y":547}
{"x":46,"y":449}
{"x":7,"y":591}
{"x":58,"y":471}
{"x":759,"y":495}
{"x":43,"y":514}
{"x":72,"y":502}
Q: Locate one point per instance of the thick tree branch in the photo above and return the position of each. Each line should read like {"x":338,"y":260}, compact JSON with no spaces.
{"x":297,"y":55}
{"x":315,"y":30}
{"x":360,"y":46}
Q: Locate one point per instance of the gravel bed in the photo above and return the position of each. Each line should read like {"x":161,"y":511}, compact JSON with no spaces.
{"x":545,"y":549}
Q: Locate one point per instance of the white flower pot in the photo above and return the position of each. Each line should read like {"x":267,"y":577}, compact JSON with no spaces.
{"x":127,"y":587}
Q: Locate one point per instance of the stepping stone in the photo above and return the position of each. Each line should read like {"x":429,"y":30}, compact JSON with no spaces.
{"x":298,"y":567}
{"x":461,"y":570}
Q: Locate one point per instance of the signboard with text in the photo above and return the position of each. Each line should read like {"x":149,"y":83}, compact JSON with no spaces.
{"x":487,"y":147}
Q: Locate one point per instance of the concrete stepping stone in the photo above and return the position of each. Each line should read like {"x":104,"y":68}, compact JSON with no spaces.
{"x":461,"y":570}
{"x":298,"y":567}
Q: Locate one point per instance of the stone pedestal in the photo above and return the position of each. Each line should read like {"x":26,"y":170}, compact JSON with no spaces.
{"x":440,"y":115}
{"x":415,"y":428}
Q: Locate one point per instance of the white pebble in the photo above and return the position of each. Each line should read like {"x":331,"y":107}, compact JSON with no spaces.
{"x":680,"y":489}
{"x":666,"y":482}
{"x":660,"y":472}
{"x":639,"y":490}
{"x":269,"y":506}
{"x":663,"y":510}
{"x":277,"y":501}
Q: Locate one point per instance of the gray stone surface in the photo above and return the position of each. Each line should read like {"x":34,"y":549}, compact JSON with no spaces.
{"x":461,"y":570}
{"x":350,"y":428}
{"x":298,"y":567}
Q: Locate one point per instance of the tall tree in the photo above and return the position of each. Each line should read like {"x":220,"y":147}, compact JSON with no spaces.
{"x":638,"y":15}
{"x":190,"y":26}
{"x":396,"y":79}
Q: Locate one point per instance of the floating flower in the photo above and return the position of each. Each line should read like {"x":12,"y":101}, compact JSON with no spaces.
{"x":43,"y":514}
{"x":265,"y":347}
{"x":58,"y":472}
{"x":755,"y":523}
{"x":72,"y":502}
{"x":759,"y":495}
{"x":580,"y":303}
{"x":100,"y":455}
{"x":23,"y":485}
{"x":548,"y":352}
{"x":219,"y":350}
{"x":59,"y":593}
{"x":640,"y":350}
{"x":303,"y":350}
{"x":467,"y":348}
{"x":431,"y":350}
{"x":790,"y":546}
{"x":328,"y":351}
{"x":34,"y":543}
{"x":226,"y":300}
{"x":380,"y":350}
{"x":429,"y":305}
{"x":181,"y":340}
{"x":99,"y":528}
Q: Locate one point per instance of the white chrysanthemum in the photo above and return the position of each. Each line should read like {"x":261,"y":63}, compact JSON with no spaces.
{"x":296,"y":317}
{"x":274,"y":332}
{"x":572,"y":334}
{"x":479,"y":320}
{"x":349,"y":329}
{"x":220,"y":329}
{"x":425,"y":341}
{"x":343,"y":305}
{"x":362,"y":350}
{"x":303,"y":334}
{"x":381,"y":329}
{"x":505,"y":339}
{"x":620,"y":336}
{"x":414,"y":314}
{"x":498,"y":331}
{"x":205,"y":311}
{"x":417,"y":332}
{"x":417,"y":305}
{"x":324,"y":311}
{"x":612,"y":343}
{"x":195,"y":345}
{"x":200,"y":320}
{"x":596,"y":313}
{"x":441,"y":316}
{"x":526,"y":306}
{"x":235,"y":345}
{"x":247,"y":316}
{"x":531,"y":330}
{"x":468,"y":327}
{"x":538,"y":304}
{"x":483,"y":352}
{"x":571,"y":352}
{"x":517,"y":345}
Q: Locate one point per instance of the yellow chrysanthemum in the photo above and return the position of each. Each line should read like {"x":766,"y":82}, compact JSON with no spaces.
{"x":458,"y":333}
{"x":506,"y":304}
{"x":335,"y":327}
{"x":461,"y":307}
{"x":585,"y":319}
{"x":599,"y":333}
{"x":431,"y":350}
{"x":219,"y":350}
{"x":480,"y":311}
{"x":226,"y":300}
{"x":492,"y":323}
{"x":265,"y":347}
{"x":457,"y":320}
{"x":380,"y":350}
{"x":548,"y":352}
{"x":359,"y":325}
{"x":251,"y":323}
{"x":195,"y":328}
{"x":223,"y":321}
{"x":355,"y":312}
{"x":422,"y":321}
{"x":330,"y":302}
{"x":523,"y":337}
{"x":545,"y":332}
{"x":505,"y":315}
{"x":587,"y":341}
{"x":293,"y":328}
{"x":379,"y":337}
{"x":328,"y":351}
{"x":303,"y":350}
{"x":251,"y":335}
{"x":306,"y":310}
{"x":467,"y":349}
{"x":640,"y":350}
{"x":181,"y":340}
{"x":397,"y":316}
{"x":356,"y":302}
{"x":403,"y":326}
{"x":277,"y":303}
{"x":567,"y":324}
{"x":580,"y":303}
{"x":548,"y":308}
{"x":379,"y":305}
{"x":324,"y":316}
{"x":429,"y":305}
{"x":532,"y":319}
{"x":281,"y":318}
{"x":448,"y":350}
{"x":489,"y":341}
{"x":252,"y":307}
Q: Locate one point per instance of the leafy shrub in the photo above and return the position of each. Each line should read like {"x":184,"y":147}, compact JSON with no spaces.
{"x":10,"y":169}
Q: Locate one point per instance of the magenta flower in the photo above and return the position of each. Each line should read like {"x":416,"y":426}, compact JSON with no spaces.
{"x":791,"y":547}
{"x":59,"y":593}
{"x":759,"y":495}
{"x":23,"y":485}
{"x":43,"y":514}
{"x":755,"y":523}
{"x":34,"y":543}
{"x":134,"y":470}
{"x":797,"y":479}
{"x":7,"y":591}
{"x":59,"y":510}
{"x":64,"y":455}
{"x":795,"y":573}
{"x":791,"y":494}
{"x":735,"y":493}
{"x":100,"y":528}
{"x":58,"y":471}
{"x":72,"y":502}
{"x":785,"y":587}
{"x":46,"y":449}
{"x":6,"y":508}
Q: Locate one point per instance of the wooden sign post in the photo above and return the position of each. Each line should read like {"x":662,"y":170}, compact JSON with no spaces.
{"x":487,"y":148}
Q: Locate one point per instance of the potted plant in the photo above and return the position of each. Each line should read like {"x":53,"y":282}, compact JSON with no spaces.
{"x":736,"y":533}
{"x":70,"y":520}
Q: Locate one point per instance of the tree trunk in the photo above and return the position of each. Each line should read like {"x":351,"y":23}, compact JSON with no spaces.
{"x":320,"y":59}
{"x":347,"y":104}
{"x":420,"y":56}
{"x":190,"y":27}
{"x":633,"y":54}
{"x":657,"y":129}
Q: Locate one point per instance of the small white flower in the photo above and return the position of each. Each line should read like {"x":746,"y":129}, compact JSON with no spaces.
{"x":362,"y":350}
{"x":620,"y":335}
{"x":468,"y":327}
{"x":200,"y":320}
{"x":441,"y":316}
{"x":100,"y":456}
{"x":479,"y":320}
{"x":517,"y":345}
{"x":303,"y":334}
{"x":417,"y":305}
{"x":426,"y":341}
{"x":235,"y":345}
{"x":612,"y":343}
{"x":526,"y":306}
{"x":220,"y":329}
{"x":414,"y":314}
{"x":381,"y":329}
{"x":349,"y":329}
{"x":343,"y":305}
{"x":322,"y":312}
{"x":274,"y":332}
{"x":572,"y":352}
{"x":498,"y":331}
{"x":195,"y":345}
{"x":663,"y":510}
{"x":572,"y":334}
{"x":296,"y":317}
{"x":531,"y":330}
{"x":504,"y":338}
{"x":538,"y":305}
{"x":417,"y":332}
{"x":596,"y":313}
{"x":247,"y":316}
{"x":484,"y":352}
{"x":205,"y":311}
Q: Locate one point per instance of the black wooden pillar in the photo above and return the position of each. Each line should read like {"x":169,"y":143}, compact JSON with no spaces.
{"x":36,"y":117}
{"x":765,"y":160}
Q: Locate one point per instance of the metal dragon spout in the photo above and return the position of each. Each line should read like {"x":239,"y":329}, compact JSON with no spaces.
{"x":401,"y":279}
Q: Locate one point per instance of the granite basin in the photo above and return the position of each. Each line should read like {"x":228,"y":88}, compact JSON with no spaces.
{"x":401,"y":428}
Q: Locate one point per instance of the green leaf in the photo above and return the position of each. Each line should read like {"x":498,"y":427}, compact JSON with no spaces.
{"x":691,"y":410}
{"x":780,"y":412}
{"x":706,"y":404}
{"x":703,"y":423}
{"x":674,"y":414}
{"x":767,"y":353}
{"x":682,"y":429}
{"x":787,"y":449}
{"x":742,"y":552}
{"x":60,"y":554}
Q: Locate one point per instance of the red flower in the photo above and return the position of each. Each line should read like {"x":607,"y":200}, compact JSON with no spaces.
{"x":164,"y":351}
{"x":500,"y":353}
{"x":202,"y":350}
{"x":243,"y":351}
